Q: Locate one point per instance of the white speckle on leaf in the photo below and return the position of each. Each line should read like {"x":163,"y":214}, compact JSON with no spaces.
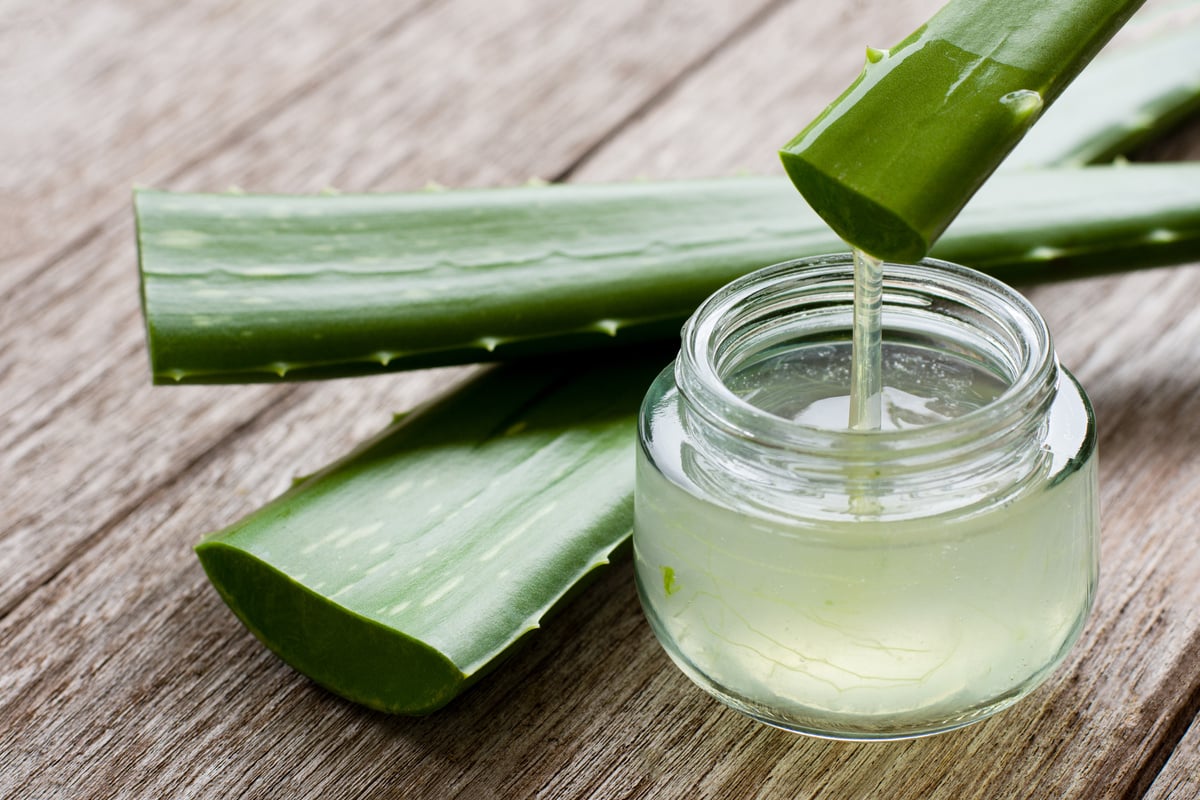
{"x":399,"y":489}
{"x":1162,"y":235}
{"x":442,"y":591}
{"x":1044,"y":253}
{"x":334,"y":534}
{"x":516,"y":532}
{"x":398,"y":608}
{"x":358,"y":533}
{"x":609,"y":326}
{"x":1023,"y":102}
{"x":264,"y":272}
{"x":182,"y":239}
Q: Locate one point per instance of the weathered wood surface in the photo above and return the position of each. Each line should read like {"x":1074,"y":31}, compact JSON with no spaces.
{"x":122,"y":674}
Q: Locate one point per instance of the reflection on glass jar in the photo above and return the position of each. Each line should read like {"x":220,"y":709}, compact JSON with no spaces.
{"x":866,"y":584}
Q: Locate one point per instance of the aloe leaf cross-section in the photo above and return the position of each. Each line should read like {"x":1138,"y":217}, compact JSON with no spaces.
{"x":403,"y":572}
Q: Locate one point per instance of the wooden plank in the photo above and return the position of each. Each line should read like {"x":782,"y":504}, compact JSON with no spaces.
{"x":1179,"y":779}
{"x":125,"y":676}
{"x":540,"y":109}
{"x":464,"y":101}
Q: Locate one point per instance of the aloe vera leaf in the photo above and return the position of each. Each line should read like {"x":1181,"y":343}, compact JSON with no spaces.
{"x":240,"y":288}
{"x":1118,"y":102}
{"x":895,"y":158}
{"x":1153,"y":221}
{"x":400,"y":574}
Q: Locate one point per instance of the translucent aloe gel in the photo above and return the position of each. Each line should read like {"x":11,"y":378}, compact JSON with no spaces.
{"x":866,"y":584}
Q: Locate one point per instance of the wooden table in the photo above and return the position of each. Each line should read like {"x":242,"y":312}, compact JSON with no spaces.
{"x":121,"y":672}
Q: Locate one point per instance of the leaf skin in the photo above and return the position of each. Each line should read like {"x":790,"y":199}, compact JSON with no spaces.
{"x":400,"y":574}
{"x":245,"y":288}
{"x":892,"y":162}
{"x":1118,"y":102}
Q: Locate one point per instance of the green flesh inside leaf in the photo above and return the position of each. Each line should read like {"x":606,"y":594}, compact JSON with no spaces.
{"x":893,"y":160}
{"x":401,"y":573}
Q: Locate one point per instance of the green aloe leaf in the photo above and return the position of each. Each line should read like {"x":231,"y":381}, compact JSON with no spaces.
{"x":893,"y":160}
{"x":1119,"y":101}
{"x":400,"y":574}
{"x":240,"y":288}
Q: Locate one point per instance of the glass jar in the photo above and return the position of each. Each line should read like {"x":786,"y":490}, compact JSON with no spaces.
{"x":866,"y":584}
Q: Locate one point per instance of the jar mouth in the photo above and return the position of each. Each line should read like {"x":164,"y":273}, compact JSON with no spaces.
{"x":961,"y":309}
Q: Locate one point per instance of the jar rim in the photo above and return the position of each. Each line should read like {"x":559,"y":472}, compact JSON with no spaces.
{"x":1029,"y":347}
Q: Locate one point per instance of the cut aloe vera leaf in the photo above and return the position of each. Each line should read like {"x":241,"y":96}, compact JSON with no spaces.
{"x":893,"y":160}
{"x":400,"y":574}
{"x":1119,"y":101}
{"x":241,"y":288}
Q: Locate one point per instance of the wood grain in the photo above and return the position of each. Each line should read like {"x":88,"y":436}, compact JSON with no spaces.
{"x":123,"y":675}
